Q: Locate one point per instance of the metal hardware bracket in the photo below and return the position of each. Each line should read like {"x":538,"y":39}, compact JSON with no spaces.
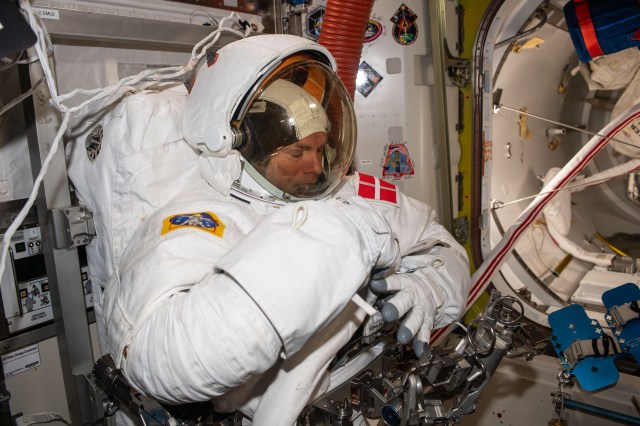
{"x":72,"y":226}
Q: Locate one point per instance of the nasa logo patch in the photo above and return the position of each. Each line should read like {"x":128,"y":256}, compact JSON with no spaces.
{"x":204,"y":221}
{"x":372,"y":188}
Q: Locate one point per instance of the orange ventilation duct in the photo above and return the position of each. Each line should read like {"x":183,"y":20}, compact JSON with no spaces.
{"x":344,"y":40}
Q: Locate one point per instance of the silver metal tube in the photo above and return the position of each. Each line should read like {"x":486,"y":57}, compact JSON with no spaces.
{"x":438,"y":49}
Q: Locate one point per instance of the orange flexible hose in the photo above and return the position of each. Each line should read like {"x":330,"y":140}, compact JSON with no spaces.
{"x":344,"y":40}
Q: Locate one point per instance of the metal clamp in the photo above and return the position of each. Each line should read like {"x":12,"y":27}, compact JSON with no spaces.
{"x":72,"y":227}
{"x":624,"y":313}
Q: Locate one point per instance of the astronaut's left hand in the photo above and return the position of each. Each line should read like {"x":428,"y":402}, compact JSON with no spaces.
{"x":415,"y":299}
{"x":430,"y":290}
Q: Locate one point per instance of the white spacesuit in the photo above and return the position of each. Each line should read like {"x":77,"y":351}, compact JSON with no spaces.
{"x":239,"y":288}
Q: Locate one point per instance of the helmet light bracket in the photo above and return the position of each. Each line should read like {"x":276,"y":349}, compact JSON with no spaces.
{"x":217,"y":141}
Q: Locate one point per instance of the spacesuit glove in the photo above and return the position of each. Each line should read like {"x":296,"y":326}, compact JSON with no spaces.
{"x":376,"y":233}
{"x":415,"y":299}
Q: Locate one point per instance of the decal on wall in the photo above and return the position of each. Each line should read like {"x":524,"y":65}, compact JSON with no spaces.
{"x":367,"y":79}
{"x":405,"y":30}
{"x":373,"y":31}
{"x":314,"y":22}
{"x":397,"y":163}
{"x":487,"y":153}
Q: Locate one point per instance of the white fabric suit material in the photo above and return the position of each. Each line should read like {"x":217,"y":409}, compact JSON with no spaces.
{"x":207,"y":295}
{"x":303,"y":377}
{"x":180,"y":274}
{"x":142,"y":163}
{"x":135,"y":172}
{"x":183,"y":306}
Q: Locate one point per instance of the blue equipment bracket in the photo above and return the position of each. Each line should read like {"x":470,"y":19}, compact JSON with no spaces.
{"x":573,"y":332}
{"x":623,"y":316}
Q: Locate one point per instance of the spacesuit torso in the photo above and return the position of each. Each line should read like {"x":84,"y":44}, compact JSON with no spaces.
{"x":178,"y":249}
{"x":239,"y":299}
{"x":181,"y":244}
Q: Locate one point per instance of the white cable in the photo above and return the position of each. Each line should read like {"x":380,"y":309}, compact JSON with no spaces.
{"x":497,"y":204}
{"x":459,"y":324}
{"x":630,"y":166}
{"x":35,"y":25}
{"x":497,"y":108}
{"x":6,"y":240}
{"x":21,"y":98}
{"x":10,"y":63}
{"x":370,"y":310}
{"x":169,"y":73}
{"x":155,"y":75}
{"x":27,"y":61}
{"x":600,"y":259}
{"x":491,"y":265}
{"x":596,"y":179}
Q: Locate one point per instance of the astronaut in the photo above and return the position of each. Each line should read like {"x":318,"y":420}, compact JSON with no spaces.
{"x":240,"y":289}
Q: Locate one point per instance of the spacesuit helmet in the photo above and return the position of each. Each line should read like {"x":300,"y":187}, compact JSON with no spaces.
{"x":292,"y":121}
{"x":296,"y":134}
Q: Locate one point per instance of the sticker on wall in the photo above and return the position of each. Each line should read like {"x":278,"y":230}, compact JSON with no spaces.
{"x":367,"y":79}
{"x":397,"y":163}
{"x":373,"y":31}
{"x":21,"y":360}
{"x":405,"y":30}
{"x":487,"y":153}
{"x":314,"y":22}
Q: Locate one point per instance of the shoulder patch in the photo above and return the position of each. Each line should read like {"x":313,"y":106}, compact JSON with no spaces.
{"x":373,"y":188}
{"x":204,"y":221}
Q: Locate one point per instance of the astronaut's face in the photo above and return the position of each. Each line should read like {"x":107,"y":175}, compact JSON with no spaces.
{"x":298,"y":132}
{"x":294,"y":167}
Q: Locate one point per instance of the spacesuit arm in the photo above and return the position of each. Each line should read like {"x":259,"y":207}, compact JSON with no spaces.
{"x":188,"y":319}
{"x":303,"y":264}
{"x":433,"y":280}
{"x":445,"y":268}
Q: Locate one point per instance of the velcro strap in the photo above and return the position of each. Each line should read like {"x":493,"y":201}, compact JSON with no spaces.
{"x":587,"y":28}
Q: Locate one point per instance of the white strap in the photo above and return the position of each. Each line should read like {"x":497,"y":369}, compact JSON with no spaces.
{"x":33,"y":419}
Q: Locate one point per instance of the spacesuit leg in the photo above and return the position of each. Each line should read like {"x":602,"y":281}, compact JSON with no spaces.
{"x":298,"y":380}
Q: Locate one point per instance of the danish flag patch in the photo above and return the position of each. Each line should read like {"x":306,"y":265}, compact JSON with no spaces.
{"x":375,"y":189}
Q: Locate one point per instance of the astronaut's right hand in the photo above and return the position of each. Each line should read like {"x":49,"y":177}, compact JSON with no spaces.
{"x":376,"y":234}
